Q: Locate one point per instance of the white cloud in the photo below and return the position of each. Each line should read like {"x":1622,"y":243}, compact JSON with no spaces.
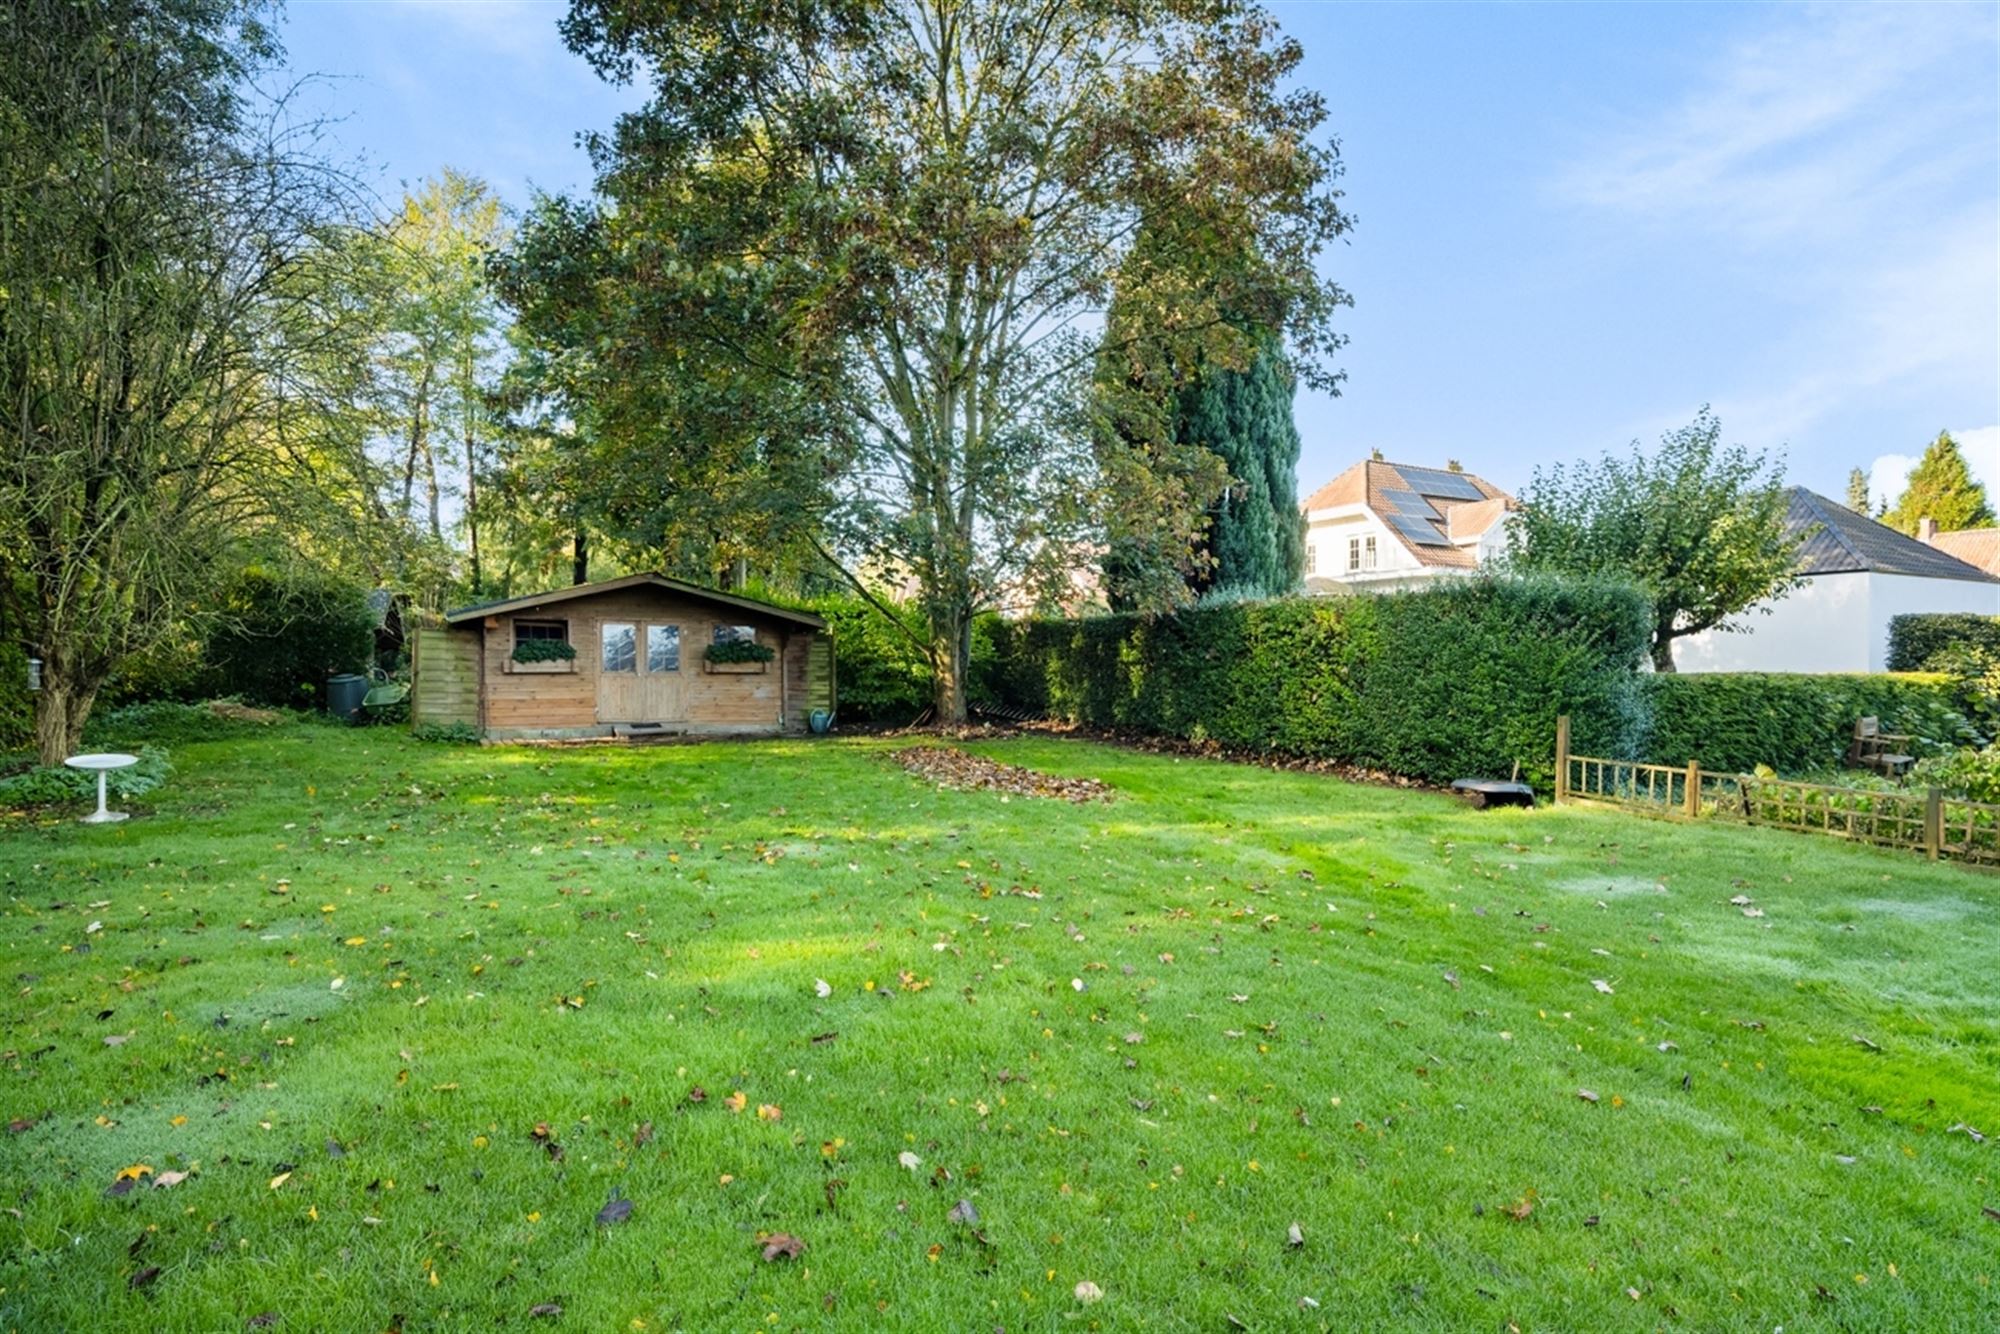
{"x":1890,"y":473}
{"x":1842,"y":159}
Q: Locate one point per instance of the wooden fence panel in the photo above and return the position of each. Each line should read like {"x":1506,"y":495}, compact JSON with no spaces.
{"x":444,"y":671}
{"x":1918,"y":819}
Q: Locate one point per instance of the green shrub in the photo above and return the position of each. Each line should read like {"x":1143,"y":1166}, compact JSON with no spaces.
{"x":283,"y":632}
{"x":162,"y":720}
{"x":882,"y":673}
{"x":1795,"y":723}
{"x":446,"y":733}
{"x":1918,"y":640}
{"x":1462,"y":678}
{"x":544,"y":650}
{"x":55,"y":785}
{"x":1972,"y":774}
{"x":17,"y":702}
{"x":740,"y":650}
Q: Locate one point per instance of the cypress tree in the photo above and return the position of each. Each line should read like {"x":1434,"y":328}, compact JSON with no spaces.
{"x":1257,"y":535}
{"x":1941,"y":488}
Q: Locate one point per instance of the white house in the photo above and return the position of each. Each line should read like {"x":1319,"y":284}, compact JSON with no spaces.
{"x":1858,"y":575}
{"x":1381,"y":526}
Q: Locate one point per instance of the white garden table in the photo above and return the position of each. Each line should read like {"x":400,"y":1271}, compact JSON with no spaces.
{"x":102,"y":765}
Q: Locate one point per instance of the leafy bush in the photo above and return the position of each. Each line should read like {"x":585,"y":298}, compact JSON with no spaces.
{"x":1795,"y":723}
{"x":544,"y":650}
{"x":17,"y":702}
{"x":1972,"y":774}
{"x":881,"y":675}
{"x":158,"y":721}
{"x":283,"y":632}
{"x":446,"y":733}
{"x":58,"y":784}
{"x":740,"y":650}
{"x":1917,"y":641}
{"x":1461,"y":678}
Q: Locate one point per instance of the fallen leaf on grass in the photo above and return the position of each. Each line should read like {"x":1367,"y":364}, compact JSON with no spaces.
{"x":1866,"y":1043}
{"x":782,"y":1246}
{"x":1088,"y":1292}
{"x":909,"y":1160}
{"x":546,"y":1310}
{"x":1601,"y":985}
{"x":262,"y":1320}
{"x":1588,"y":1095}
{"x":143,"y":1277}
{"x":616,"y":1211}
{"x":117,"y":1039}
{"x":166,"y":1179}
{"x":963,"y":1212}
{"x":280,"y":1179}
{"x":736,"y":1101}
{"x":822,"y":988}
{"x":770,"y":1111}
{"x":1295,"y":1236}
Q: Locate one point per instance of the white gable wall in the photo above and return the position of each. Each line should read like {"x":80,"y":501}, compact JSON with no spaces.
{"x":1328,"y":532}
{"x":1831,"y":623}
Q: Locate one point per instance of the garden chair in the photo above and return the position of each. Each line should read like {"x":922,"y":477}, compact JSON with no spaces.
{"x":1876,"y":749}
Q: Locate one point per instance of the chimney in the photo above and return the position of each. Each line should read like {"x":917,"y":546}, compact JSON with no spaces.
{"x":1926,"y":530}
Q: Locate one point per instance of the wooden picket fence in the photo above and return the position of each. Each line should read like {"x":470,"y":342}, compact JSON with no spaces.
{"x":1918,"y":819}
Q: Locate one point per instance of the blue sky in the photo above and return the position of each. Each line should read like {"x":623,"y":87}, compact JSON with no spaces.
{"x":1577,"y":223}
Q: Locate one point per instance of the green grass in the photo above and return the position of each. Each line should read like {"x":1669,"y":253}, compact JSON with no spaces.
{"x":580,"y":937}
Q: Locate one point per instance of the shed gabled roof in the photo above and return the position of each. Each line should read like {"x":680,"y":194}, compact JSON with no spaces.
{"x":681,"y":586}
{"x":1430,"y":510}
{"x":1836,"y":540}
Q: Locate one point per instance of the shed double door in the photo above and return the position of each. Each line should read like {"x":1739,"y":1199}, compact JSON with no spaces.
{"x":639,"y":672}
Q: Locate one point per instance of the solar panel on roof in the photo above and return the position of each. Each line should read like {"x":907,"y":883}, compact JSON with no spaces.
{"x":1418,"y":531}
{"x":1436,"y":482}
{"x":1410,"y":503}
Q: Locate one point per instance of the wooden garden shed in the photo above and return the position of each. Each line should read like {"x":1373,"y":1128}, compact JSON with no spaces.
{"x":639,"y":655}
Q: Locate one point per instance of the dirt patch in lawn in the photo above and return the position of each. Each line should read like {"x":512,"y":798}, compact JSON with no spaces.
{"x":948,"y":766}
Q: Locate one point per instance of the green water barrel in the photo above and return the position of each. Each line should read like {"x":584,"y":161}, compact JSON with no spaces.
{"x":344,"y":694}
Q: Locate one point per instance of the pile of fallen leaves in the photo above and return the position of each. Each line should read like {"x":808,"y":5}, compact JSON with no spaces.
{"x":948,"y":766}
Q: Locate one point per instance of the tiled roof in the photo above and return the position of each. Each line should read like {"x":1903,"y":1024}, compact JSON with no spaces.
{"x":1974,"y":546}
{"x":1411,"y":501}
{"x":1836,"y":540}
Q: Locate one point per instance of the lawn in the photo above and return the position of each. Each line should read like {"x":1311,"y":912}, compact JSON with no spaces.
{"x":410,"y":1017}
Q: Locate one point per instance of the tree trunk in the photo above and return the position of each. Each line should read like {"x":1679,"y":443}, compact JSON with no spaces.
{"x":951,"y":661}
{"x":1663,"y":648}
{"x":60,"y":710}
{"x":472,"y":501}
{"x":579,"y":551}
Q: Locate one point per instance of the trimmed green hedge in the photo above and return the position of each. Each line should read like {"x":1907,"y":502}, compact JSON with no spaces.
{"x":1795,"y":723}
{"x":1461,"y":678}
{"x":1917,"y":641}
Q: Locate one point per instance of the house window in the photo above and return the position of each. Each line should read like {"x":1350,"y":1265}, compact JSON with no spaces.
{"x":663,"y":648}
{"x":1312,"y":559}
{"x":735,"y":634}
{"x":618,"y":642}
{"x":1353,"y":553}
{"x":1368,"y":553}
{"x":526,"y":631}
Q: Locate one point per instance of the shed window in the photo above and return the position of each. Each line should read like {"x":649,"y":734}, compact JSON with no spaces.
{"x":735,"y":634}
{"x":619,"y":642}
{"x":552,"y":630}
{"x":663,"y":648}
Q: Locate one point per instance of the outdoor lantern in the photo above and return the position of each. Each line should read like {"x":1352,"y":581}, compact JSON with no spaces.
{"x":34,"y":673}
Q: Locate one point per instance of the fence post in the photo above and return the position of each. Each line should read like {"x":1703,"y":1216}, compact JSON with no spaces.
{"x":1562,"y":757}
{"x":1693,"y":790}
{"x":1933,"y":822}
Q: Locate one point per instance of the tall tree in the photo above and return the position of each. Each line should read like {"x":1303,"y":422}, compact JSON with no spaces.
{"x":1857,"y":491}
{"x":150,"y":221}
{"x":1700,"y":525}
{"x":913,"y":213}
{"x":1245,"y":417}
{"x":1941,"y":487}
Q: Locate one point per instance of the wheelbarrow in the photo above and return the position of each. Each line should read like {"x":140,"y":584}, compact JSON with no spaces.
{"x":382,"y":692}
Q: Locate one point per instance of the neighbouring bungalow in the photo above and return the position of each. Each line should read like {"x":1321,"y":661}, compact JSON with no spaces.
{"x":1858,"y":575}
{"x":639,"y":655}
{"x":1383,"y":526}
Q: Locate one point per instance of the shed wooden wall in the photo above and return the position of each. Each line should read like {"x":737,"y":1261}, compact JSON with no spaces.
{"x":444,"y":669}
{"x":519,"y":702}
